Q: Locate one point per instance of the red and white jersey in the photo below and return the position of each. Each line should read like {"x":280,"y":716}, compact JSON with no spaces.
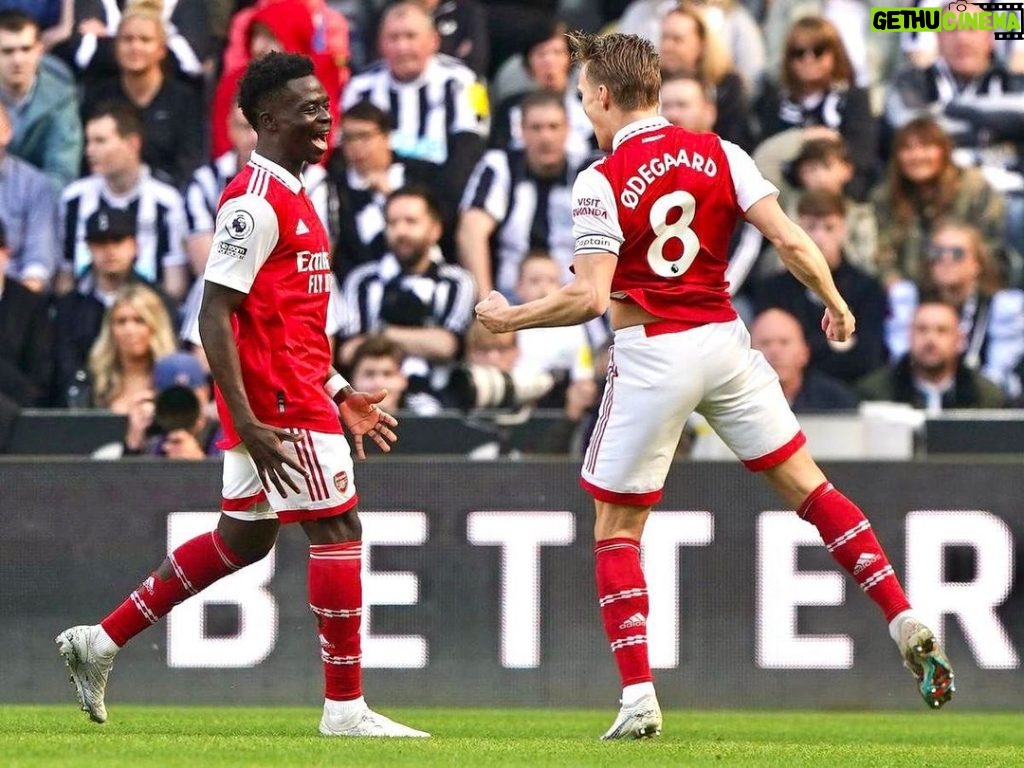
{"x":269,"y":243}
{"x":666,"y":201}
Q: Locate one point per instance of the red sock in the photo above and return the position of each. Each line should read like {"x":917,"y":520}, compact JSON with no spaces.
{"x":622,"y":595}
{"x":848,"y":537}
{"x":336,"y":597}
{"x":195,"y":565}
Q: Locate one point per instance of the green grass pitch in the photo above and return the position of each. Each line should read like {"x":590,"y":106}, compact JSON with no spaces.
{"x":197,"y":737}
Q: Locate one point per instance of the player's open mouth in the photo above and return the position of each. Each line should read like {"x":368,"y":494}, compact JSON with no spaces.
{"x":320,"y":141}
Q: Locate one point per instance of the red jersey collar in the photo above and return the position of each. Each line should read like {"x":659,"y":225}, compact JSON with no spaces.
{"x":285,"y":177}
{"x":637,"y":127}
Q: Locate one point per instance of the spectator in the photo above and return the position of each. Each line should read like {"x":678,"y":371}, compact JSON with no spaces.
{"x":931,"y":375}
{"x":818,"y":95}
{"x":729,"y":20}
{"x":870,"y":54}
{"x":495,"y":375}
{"x":411,"y":296}
{"x":922,"y":188}
{"x":43,"y":107}
{"x":377,"y":364}
{"x":975,"y":99}
{"x":462,"y":25}
{"x":518,"y":201}
{"x":174,"y":144}
{"x":690,"y":47}
{"x":89,"y":46}
{"x":688,"y":103}
{"x":278,"y":25}
{"x":184,"y":426}
{"x":437,"y":107}
{"x":28,"y":212}
{"x":330,"y":35}
{"x":110,"y":237}
{"x":796,"y":166}
{"x":822,"y":215}
{"x":26,"y":341}
{"x":548,"y":68}
{"x":562,"y":351}
{"x":361,"y":177}
{"x":136,"y":332}
{"x":121,"y":181}
{"x":962,"y":273}
{"x":778,"y":336}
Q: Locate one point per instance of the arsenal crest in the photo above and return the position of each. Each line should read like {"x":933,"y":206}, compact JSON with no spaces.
{"x":341,"y":482}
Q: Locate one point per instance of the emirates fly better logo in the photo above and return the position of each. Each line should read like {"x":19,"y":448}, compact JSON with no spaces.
{"x":1004,"y":19}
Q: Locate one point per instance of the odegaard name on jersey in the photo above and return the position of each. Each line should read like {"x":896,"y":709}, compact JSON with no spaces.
{"x":637,"y":184}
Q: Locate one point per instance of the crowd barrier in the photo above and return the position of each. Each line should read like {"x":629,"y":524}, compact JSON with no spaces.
{"x":479,"y":587}
{"x":878,"y":431}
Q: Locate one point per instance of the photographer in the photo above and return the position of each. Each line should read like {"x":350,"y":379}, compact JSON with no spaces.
{"x":179,"y":422}
{"x":410,"y":296}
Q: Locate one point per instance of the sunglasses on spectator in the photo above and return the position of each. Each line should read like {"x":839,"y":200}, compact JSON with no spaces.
{"x":939,"y":252}
{"x":819,"y":50}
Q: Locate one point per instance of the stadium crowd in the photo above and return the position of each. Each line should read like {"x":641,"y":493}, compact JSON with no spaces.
{"x":458,"y":135}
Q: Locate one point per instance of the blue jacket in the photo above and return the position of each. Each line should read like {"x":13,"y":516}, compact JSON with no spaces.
{"x":47,"y":128}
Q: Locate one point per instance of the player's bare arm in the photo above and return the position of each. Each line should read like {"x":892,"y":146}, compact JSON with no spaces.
{"x":263,"y":442}
{"x":803,"y":259}
{"x":585,"y":297}
{"x":361,"y":415}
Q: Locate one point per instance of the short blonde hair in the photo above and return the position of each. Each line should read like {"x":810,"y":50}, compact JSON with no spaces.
{"x":627,"y":65}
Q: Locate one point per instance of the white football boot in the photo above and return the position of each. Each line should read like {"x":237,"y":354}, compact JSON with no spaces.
{"x":366,"y":722}
{"x":89,"y":668}
{"x":640,"y":720}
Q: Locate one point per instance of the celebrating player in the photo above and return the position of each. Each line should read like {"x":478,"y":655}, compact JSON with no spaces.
{"x":285,"y":461}
{"x":652,"y":222}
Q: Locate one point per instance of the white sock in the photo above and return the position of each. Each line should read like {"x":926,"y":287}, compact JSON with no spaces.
{"x":344,"y":709}
{"x":631,"y":694}
{"x":894,"y":625}
{"x":104,"y":645}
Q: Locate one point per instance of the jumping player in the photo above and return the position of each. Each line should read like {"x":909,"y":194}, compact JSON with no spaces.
{"x":652,"y":222}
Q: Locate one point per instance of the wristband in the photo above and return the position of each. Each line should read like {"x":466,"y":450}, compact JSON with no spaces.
{"x":334,"y":385}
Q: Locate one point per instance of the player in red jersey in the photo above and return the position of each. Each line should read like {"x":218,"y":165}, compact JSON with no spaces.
{"x":286,"y":460}
{"x":652,"y":224}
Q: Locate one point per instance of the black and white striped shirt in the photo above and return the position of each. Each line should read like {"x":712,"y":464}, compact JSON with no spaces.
{"x":357,"y":210}
{"x":532,"y":213}
{"x":427,"y":112}
{"x":160,"y":222}
{"x":447,"y":293}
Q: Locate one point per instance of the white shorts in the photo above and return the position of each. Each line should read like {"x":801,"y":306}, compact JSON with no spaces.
{"x":330,"y":489}
{"x":656,"y":382}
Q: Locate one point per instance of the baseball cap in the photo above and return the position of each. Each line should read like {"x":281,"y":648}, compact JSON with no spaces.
{"x":109,"y":225}
{"x":178,"y":369}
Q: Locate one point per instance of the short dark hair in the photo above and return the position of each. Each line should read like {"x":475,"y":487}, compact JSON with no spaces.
{"x":541,"y":99}
{"x":822,"y":151}
{"x":820,"y":203}
{"x":266,"y":77}
{"x":707,"y":90}
{"x":420,"y":191}
{"x":127,"y":118}
{"x":376,"y":346}
{"x":370,"y":113}
{"x":13,"y":20}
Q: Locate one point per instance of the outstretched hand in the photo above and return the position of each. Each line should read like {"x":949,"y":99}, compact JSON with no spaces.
{"x":361,"y":416}
{"x":838,"y":325}
{"x":492,"y":311}
{"x":266,"y":448}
